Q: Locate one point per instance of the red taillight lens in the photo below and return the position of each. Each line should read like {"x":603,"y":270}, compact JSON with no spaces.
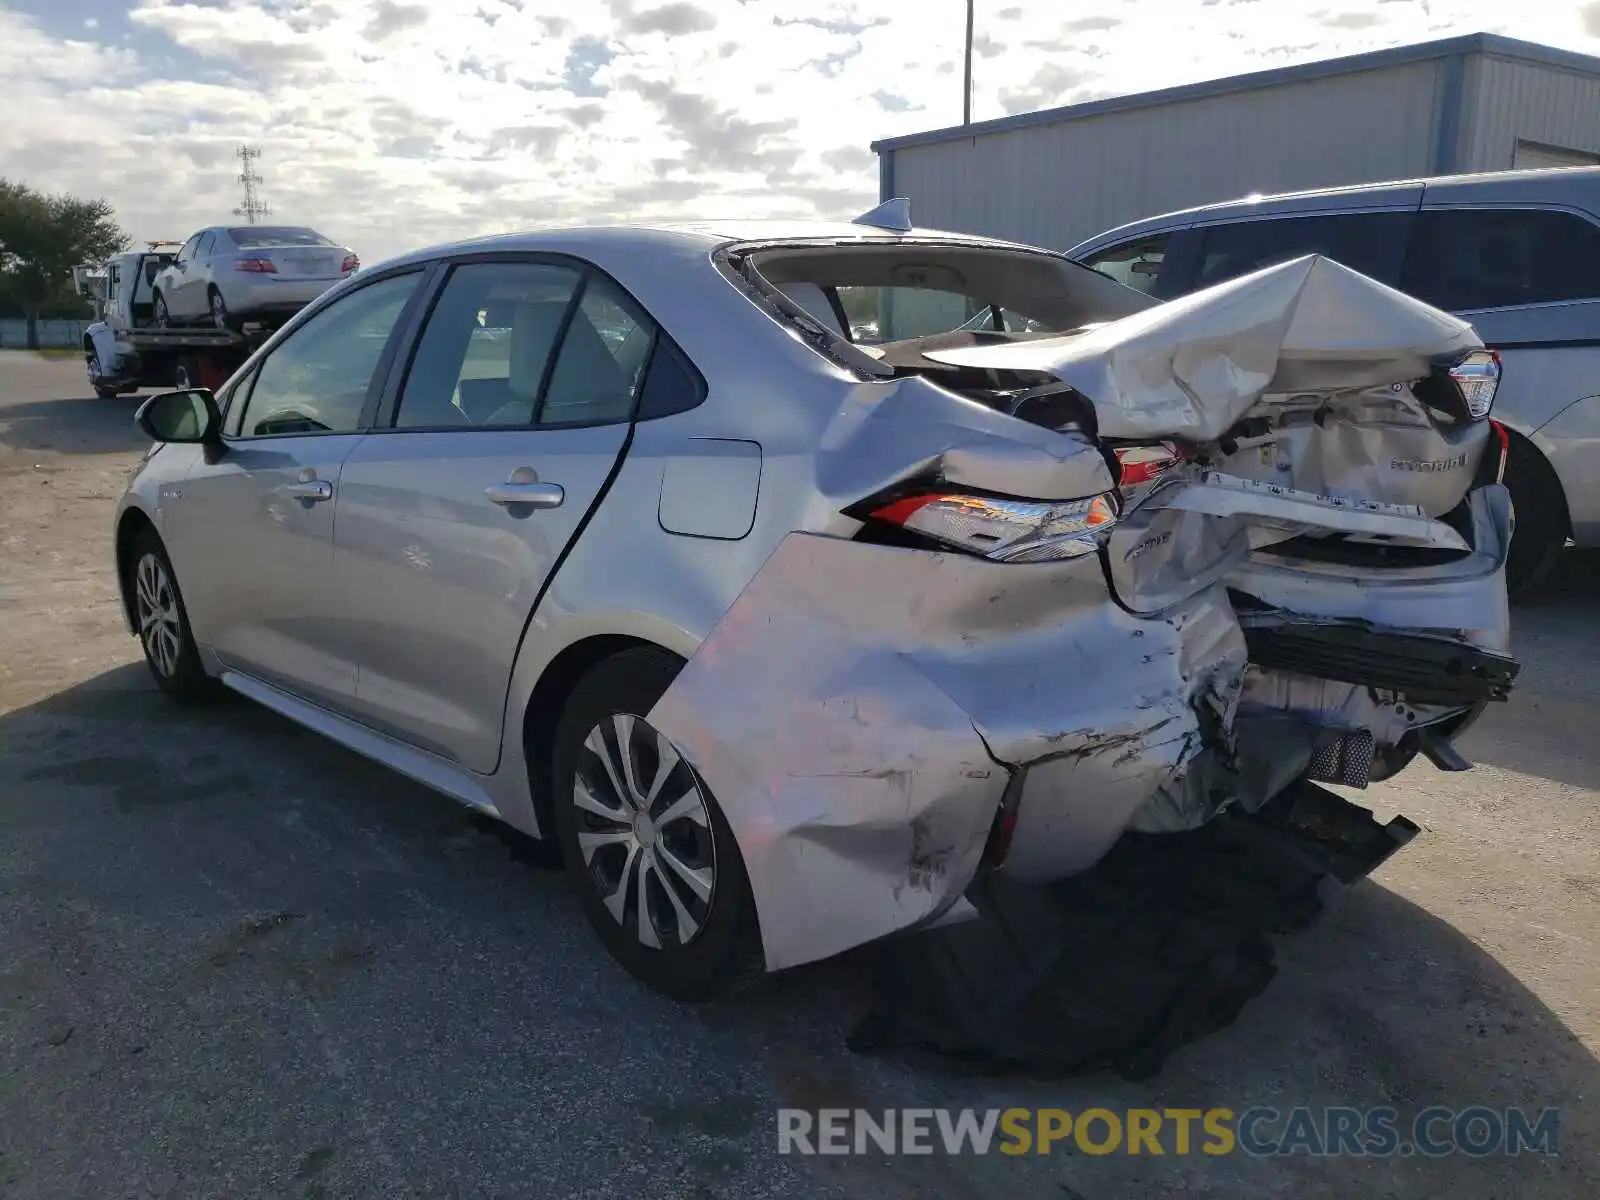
{"x":1004,"y":529}
{"x":351,"y":263}
{"x":1144,"y":464}
{"x":256,"y":266}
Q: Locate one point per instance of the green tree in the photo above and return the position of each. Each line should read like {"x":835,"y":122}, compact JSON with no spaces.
{"x":42,"y":237}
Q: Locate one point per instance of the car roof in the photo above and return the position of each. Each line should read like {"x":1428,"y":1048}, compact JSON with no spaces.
{"x":1544,"y":185}
{"x":695,"y":236}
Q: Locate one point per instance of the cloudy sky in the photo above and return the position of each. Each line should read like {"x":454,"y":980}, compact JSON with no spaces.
{"x":390,"y":124}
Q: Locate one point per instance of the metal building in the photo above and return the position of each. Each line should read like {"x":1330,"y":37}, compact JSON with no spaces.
{"x":1053,"y":178}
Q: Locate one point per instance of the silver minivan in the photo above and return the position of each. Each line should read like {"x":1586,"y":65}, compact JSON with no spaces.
{"x":1516,"y":253}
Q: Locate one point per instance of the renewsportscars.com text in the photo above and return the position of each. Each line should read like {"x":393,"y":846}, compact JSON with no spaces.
{"x":1477,"y":1131}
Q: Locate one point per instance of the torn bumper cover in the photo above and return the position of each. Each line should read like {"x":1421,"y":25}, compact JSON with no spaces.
{"x":861,"y":711}
{"x":881,"y":724}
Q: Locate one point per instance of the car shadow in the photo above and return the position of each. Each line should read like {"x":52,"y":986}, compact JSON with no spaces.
{"x":87,"y":425}
{"x":1545,"y":730}
{"x":229,"y":889}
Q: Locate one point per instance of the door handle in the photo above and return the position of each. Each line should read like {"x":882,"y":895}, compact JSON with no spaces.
{"x":310,"y":489}
{"x":534,"y":495}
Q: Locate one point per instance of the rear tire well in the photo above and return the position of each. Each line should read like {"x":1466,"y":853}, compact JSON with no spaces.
{"x":1530,"y":455}
{"x":132,"y":524}
{"x":549,"y":700}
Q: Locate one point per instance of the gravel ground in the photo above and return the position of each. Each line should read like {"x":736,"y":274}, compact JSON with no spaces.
{"x":236,"y":960}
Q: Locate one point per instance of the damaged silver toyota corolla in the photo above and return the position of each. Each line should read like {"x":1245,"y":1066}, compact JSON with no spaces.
{"x":794,"y":578}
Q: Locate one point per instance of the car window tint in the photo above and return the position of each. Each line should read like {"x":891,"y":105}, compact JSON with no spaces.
{"x":483,"y":356}
{"x":671,"y":383}
{"x":187,"y":252}
{"x":601,"y":361}
{"x":203,"y":250}
{"x":1372,"y":243}
{"x":1482,"y":258}
{"x":1134,"y":264}
{"x":316,"y":380}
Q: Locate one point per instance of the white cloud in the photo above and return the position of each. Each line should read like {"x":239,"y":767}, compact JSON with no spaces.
{"x":396,"y":123}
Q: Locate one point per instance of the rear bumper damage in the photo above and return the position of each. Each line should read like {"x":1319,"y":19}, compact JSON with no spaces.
{"x":875,"y":722}
{"x":1310,"y":589}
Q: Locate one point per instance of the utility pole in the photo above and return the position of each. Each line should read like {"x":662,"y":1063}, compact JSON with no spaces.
{"x":966,"y":92}
{"x":253,"y":205}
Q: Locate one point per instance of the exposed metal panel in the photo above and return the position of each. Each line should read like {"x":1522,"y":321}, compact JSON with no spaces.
{"x":1054,"y":185}
{"x":1547,"y":105}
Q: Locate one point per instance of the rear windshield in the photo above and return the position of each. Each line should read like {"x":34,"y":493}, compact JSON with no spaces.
{"x":879,"y":295}
{"x":252,"y":236}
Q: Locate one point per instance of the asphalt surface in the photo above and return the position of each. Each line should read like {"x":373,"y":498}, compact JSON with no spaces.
{"x":236,"y":960}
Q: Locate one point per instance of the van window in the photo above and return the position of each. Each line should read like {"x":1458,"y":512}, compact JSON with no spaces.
{"x":1134,"y":264}
{"x":1371,"y":242}
{"x":1463,"y":259}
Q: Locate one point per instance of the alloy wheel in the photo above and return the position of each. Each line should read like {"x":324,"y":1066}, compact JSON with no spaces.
{"x":94,"y":370}
{"x":156,"y":607}
{"x":644,"y":831}
{"x":219,"y":311}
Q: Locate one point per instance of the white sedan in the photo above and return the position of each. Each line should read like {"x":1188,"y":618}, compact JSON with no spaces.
{"x":231,"y":272}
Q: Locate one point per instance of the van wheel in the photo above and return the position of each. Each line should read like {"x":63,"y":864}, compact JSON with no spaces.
{"x":1540,"y":525}
{"x":655,"y":865}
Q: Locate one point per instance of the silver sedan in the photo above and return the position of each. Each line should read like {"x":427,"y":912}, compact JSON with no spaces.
{"x":791,"y":577}
{"x":223,"y":275}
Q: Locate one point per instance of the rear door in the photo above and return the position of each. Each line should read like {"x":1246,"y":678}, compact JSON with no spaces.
{"x":509,"y":421}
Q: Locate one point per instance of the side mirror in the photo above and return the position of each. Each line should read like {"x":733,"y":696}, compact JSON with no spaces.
{"x":189,"y":416}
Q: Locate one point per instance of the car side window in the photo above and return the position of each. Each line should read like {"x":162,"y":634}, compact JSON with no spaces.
{"x":317,"y":379}
{"x":1134,"y":264}
{"x":506,"y":346}
{"x":187,"y":252}
{"x":1372,"y":243}
{"x":1465,"y":259}
{"x":601,"y":361}
{"x":203,"y":250}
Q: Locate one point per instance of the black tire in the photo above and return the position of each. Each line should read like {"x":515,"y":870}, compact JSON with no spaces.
{"x":1540,"y":522}
{"x":724,"y":952}
{"x":218,"y":308}
{"x":163,"y":316}
{"x":169,"y":647}
{"x":92,"y":362}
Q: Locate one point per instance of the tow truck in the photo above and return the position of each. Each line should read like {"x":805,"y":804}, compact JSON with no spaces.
{"x":126,"y":350}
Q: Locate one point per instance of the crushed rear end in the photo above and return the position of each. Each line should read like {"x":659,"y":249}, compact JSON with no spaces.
{"x":1116,"y":582}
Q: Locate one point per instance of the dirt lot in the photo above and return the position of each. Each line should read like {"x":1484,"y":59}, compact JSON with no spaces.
{"x":237,"y":961}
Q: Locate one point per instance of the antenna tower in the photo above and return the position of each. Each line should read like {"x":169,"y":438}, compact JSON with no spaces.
{"x":253,"y":205}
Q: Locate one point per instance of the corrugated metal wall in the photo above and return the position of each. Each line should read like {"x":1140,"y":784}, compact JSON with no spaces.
{"x":1507,"y":100}
{"x":1054,"y":185}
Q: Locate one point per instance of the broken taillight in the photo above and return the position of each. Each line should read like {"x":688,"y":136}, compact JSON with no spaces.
{"x":1478,"y":377}
{"x":1504,"y":440}
{"x":1145,"y":464}
{"x":1003,"y":529}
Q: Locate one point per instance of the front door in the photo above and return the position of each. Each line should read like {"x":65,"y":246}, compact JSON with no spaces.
{"x":257,"y":520}
{"x":515,"y":409}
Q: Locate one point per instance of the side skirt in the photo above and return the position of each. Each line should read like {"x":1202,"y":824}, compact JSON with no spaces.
{"x":427,"y":769}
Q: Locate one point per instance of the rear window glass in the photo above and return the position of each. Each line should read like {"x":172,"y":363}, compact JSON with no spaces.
{"x":1464,"y":259}
{"x":877,"y":295}
{"x":276,"y":235}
